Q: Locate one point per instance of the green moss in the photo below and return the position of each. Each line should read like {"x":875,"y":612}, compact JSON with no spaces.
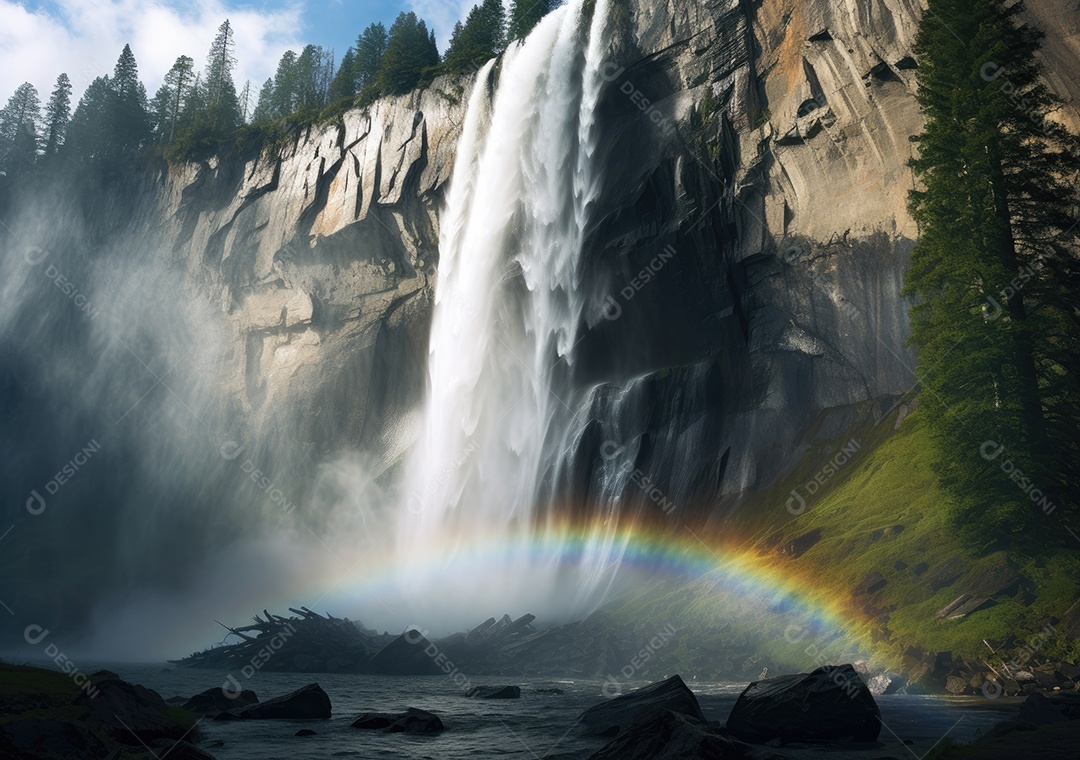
{"x":891,"y":484}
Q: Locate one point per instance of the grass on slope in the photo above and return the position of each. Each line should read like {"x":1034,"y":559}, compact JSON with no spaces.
{"x":885,"y":513}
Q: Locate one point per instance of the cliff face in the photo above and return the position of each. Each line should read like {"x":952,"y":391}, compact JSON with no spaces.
{"x":770,"y":144}
{"x":322,"y":257}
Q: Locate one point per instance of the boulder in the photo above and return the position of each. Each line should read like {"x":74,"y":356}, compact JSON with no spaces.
{"x":830,"y":704}
{"x":495,"y":692}
{"x":1039,"y":709}
{"x":43,"y":738}
{"x":305,"y":732}
{"x":666,"y":735}
{"x":306,"y":703}
{"x":132,"y":714}
{"x":415,"y":721}
{"x":1069,"y":671}
{"x":615,"y":715}
{"x":958,"y":684}
{"x":216,"y":700}
{"x":412,"y":721}
{"x":374,"y":721}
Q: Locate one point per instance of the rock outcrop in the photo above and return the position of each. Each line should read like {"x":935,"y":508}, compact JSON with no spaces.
{"x":831,"y":704}
{"x":306,"y":703}
{"x":611,"y":717}
{"x":668,"y":735}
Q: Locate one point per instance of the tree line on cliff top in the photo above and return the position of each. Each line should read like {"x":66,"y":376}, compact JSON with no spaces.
{"x":194,"y":112}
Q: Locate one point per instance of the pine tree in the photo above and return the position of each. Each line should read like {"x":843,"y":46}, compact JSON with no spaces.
{"x":222,"y":103}
{"x":88,"y":132}
{"x":284,"y":100}
{"x":127,"y":118}
{"x":168,"y":104}
{"x":995,"y":275}
{"x":344,"y":83}
{"x":57,"y":115}
{"x":482,"y":37}
{"x":19,"y":122}
{"x":308,"y":79}
{"x":264,"y":109}
{"x":526,"y":14}
{"x":370,"y":49}
{"x":410,"y":50}
{"x":245,"y":101}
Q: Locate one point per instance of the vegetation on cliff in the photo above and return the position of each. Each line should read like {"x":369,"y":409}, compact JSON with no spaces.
{"x":995,"y":275}
{"x":195,"y":114}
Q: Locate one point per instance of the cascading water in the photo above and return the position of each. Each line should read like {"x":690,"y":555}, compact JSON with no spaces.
{"x":508,"y":310}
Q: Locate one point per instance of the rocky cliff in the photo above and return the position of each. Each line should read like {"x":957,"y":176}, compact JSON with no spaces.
{"x":770,"y":144}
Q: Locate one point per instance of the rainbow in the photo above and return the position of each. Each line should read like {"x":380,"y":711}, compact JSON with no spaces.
{"x":807,"y":618}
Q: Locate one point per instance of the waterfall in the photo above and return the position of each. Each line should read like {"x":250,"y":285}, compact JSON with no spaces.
{"x":509,"y":308}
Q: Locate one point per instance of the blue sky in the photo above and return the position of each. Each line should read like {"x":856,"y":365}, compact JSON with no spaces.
{"x":41,"y":38}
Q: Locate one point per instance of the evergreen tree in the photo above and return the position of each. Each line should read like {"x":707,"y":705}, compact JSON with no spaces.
{"x":284,"y":101}
{"x":19,"y":121}
{"x":264,"y":109}
{"x":370,"y":49}
{"x":127,"y":119}
{"x":245,"y":101}
{"x":410,"y":50}
{"x":344,"y":84}
{"x":222,"y":103}
{"x":482,"y":37}
{"x":308,"y":76}
{"x":168,"y":104}
{"x":88,"y":132}
{"x":526,"y":14}
{"x":995,"y":275}
{"x":57,"y":115}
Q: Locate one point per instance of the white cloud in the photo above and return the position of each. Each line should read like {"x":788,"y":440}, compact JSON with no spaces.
{"x":85,"y":37}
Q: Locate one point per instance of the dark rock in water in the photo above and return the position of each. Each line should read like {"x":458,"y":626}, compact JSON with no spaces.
{"x":615,"y":715}
{"x":666,"y":735}
{"x":417,"y":722}
{"x":305,"y":732}
{"x":410,"y":654}
{"x":495,"y":692}
{"x":132,"y":714}
{"x":1040,"y":710}
{"x":830,"y":704}
{"x":306,"y":703}
{"x":412,"y":721}
{"x":213,"y":701}
{"x":549,"y":691}
{"x":37,"y":737}
{"x":374,"y":721}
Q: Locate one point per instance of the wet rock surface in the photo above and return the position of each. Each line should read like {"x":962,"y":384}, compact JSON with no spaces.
{"x":666,"y":735}
{"x":612,"y":717}
{"x":306,"y":703}
{"x":830,"y":704}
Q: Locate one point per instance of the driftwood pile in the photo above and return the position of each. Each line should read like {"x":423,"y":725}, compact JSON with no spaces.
{"x":307,"y":642}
